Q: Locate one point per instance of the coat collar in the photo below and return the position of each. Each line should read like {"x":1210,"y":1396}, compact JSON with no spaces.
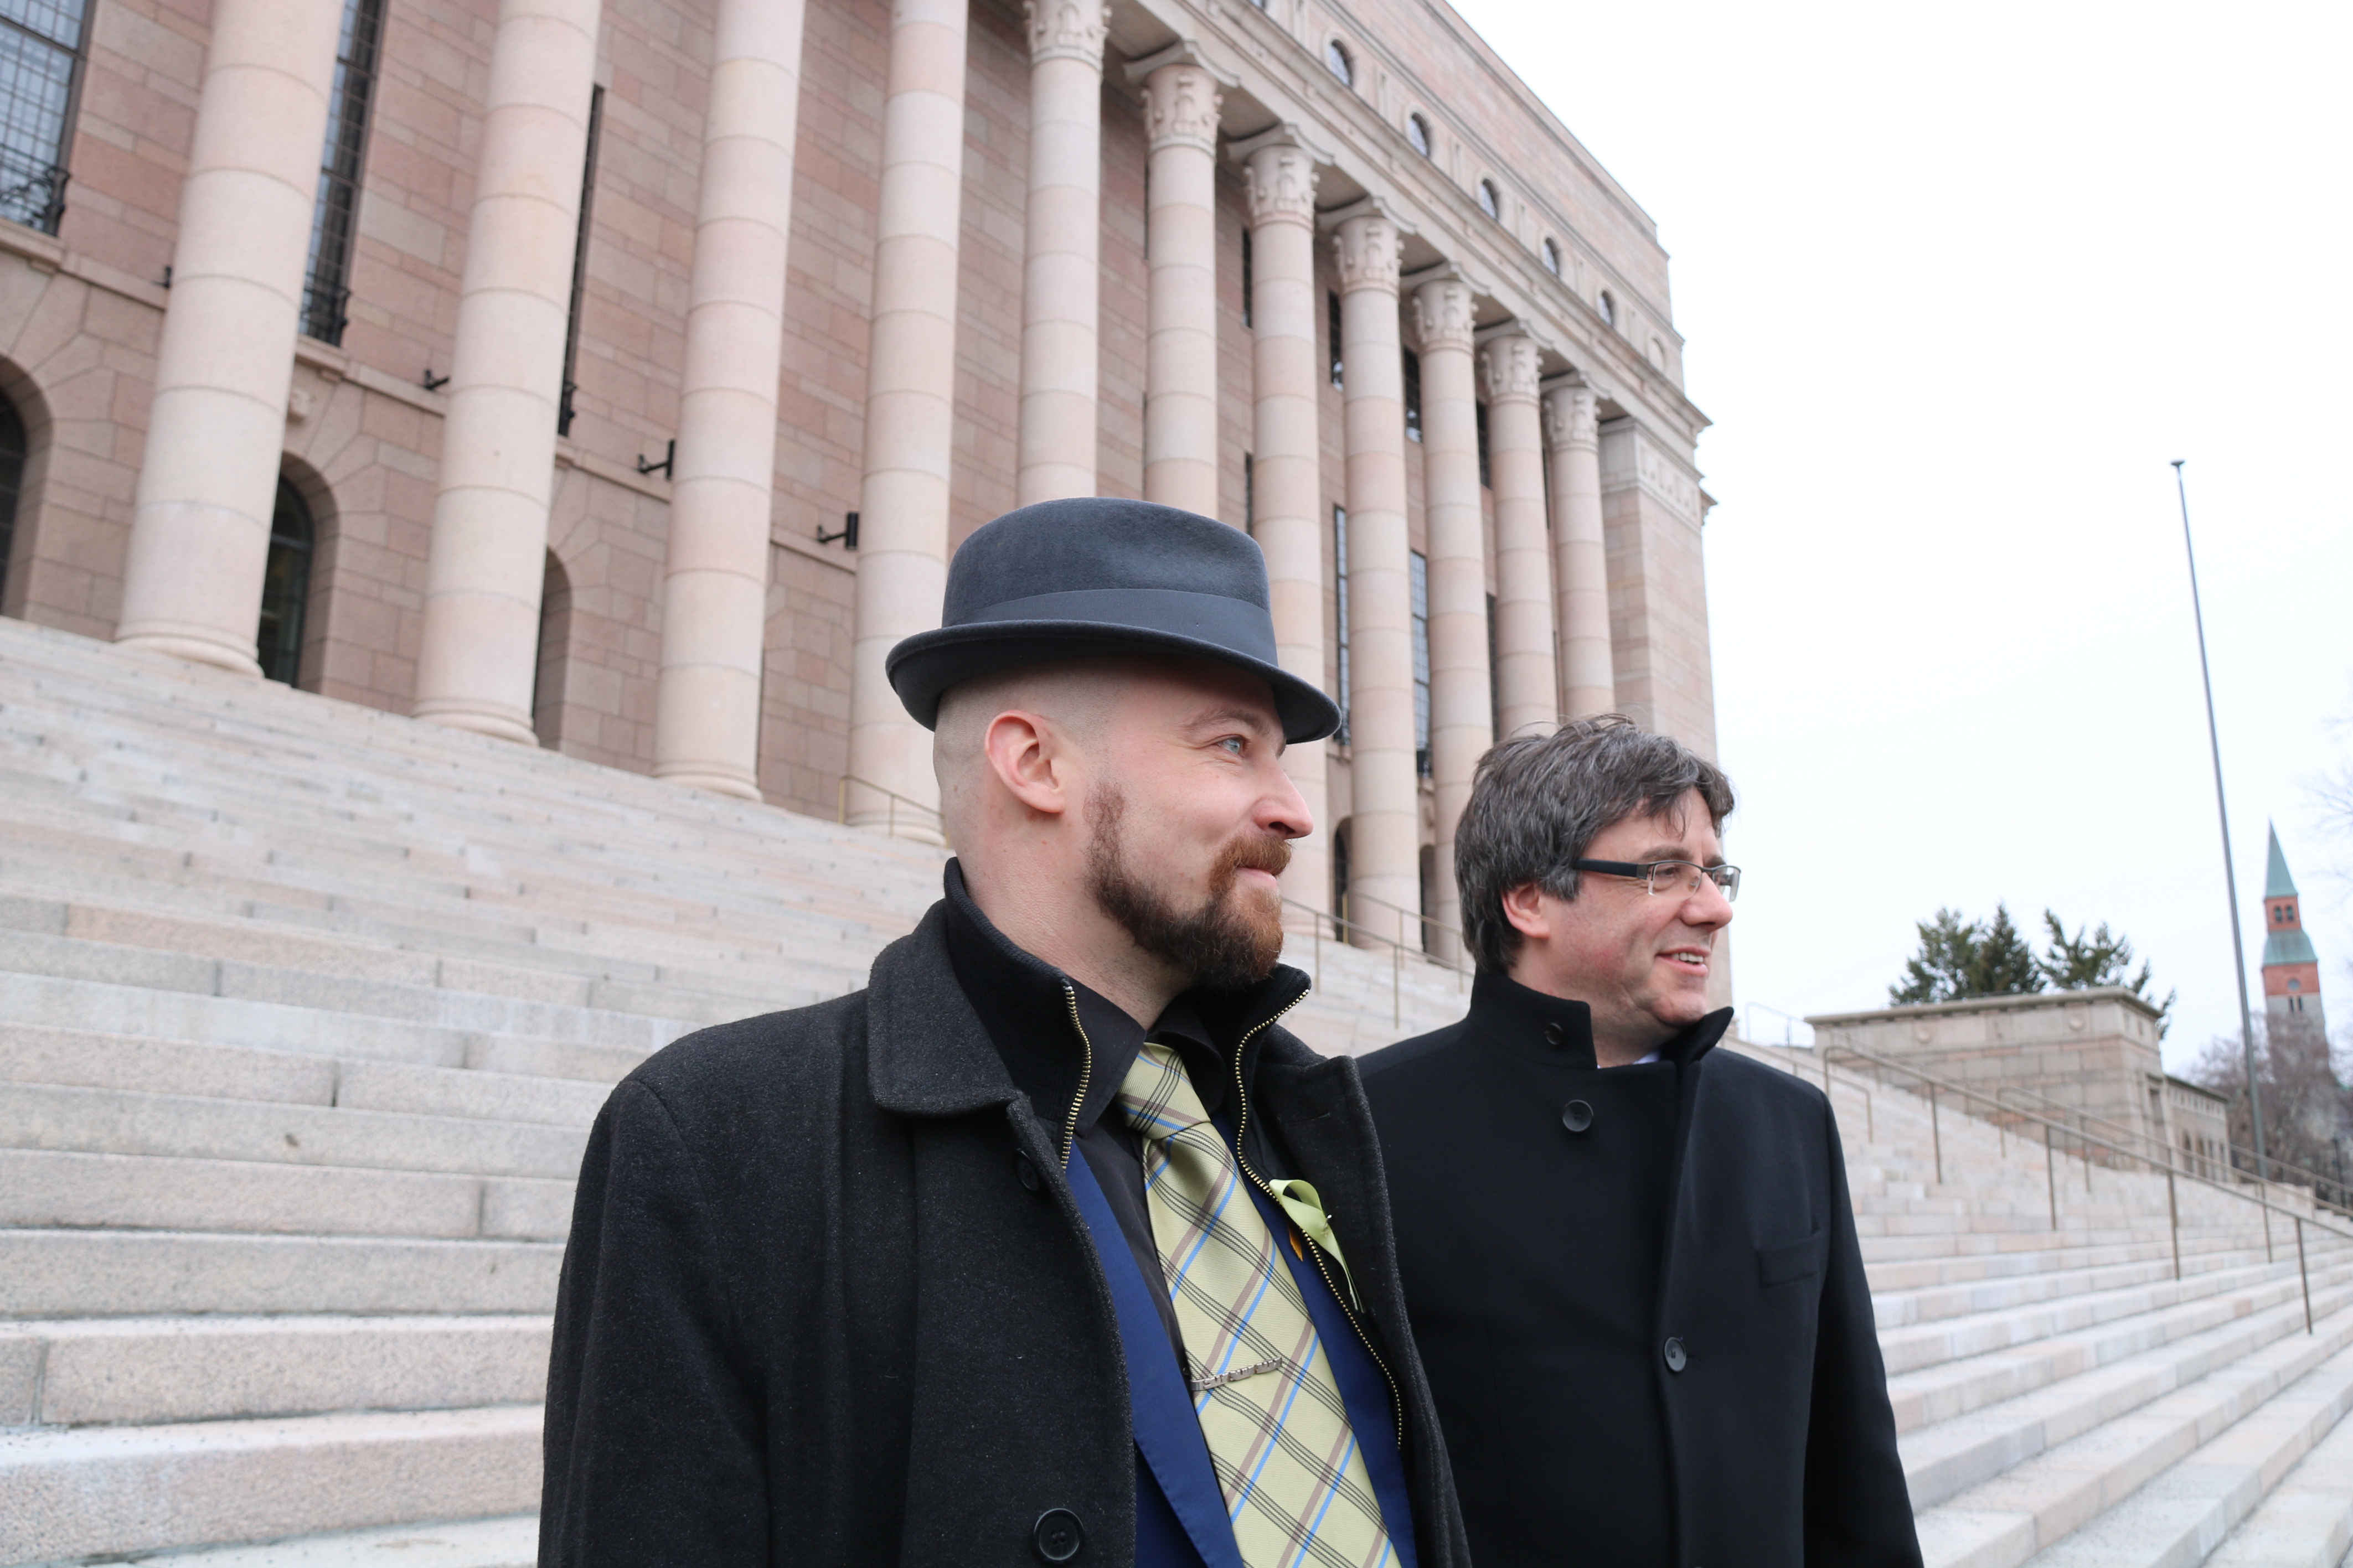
{"x":1504,"y":1011}
{"x":961,"y":1019}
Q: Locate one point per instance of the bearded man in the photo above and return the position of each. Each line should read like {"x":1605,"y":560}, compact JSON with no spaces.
{"x":1050,"y":1245}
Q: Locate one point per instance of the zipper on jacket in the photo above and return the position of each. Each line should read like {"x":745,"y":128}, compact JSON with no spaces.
{"x":1241,"y":1120}
{"x":1086,"y":1075}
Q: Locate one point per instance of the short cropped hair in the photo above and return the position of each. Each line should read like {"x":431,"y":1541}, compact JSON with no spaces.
{"x":1538,"y":800}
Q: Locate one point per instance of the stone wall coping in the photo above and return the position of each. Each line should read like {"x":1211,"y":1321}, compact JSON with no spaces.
{"x":2029,"y":1000}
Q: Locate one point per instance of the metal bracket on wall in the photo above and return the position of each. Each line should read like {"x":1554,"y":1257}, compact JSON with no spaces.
{"x":848,"y":536}
{"x":670,"y":456}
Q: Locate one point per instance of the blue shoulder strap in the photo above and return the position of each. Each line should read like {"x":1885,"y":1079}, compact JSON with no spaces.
{"x":1168,"y":1431}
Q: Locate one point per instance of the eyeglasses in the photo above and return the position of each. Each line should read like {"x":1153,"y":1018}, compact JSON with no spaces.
{"x":1681,"y":877}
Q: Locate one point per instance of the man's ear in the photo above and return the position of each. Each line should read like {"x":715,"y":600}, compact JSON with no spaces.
{"x":1024,"y":754}
{"x":1523,"y":906}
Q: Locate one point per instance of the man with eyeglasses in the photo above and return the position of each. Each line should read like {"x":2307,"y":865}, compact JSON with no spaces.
{"x":1628,"y":1257}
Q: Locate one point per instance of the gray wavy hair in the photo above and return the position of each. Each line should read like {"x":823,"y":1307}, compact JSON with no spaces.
{"x":1537,"y":801}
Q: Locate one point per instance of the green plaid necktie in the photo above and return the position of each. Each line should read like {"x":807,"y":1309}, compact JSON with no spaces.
{"x":1294,"y":1475}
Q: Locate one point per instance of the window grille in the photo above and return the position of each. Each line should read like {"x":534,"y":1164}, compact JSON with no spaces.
{"x":1418,"y":565}
{"x":41,"y":69}
{"x":564,"y":409}
{"x":334,"y":223}
{"x":1340,"y":619}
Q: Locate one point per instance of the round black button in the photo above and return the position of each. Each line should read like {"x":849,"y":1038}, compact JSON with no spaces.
{"x":1576,"y":1116}
{"x":1059,"y":1535}
{"x":1675,"y":1357}
{"x":1552,"y":1033}
{"x":1026,"y":1174}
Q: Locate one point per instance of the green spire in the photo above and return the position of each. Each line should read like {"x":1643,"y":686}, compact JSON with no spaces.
{"x":2277,"y":883}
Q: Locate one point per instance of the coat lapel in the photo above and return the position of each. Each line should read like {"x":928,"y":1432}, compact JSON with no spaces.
{"x":928,"y":1052}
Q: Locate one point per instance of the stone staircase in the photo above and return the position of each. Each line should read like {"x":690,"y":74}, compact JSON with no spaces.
{"x":305,"y":1009}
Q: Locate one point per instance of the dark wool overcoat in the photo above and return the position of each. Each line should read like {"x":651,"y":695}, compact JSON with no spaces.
{"x":829,"y":1299}
{"x":1645,"y":1351}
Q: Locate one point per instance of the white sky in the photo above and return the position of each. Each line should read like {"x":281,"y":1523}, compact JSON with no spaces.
{"x":1956,"y":283}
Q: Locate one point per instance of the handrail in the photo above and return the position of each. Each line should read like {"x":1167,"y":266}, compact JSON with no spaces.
{"x":1397,"y":952}
{"x":2172,"y":1174}
{"x":1427,"y":922}
{"x":890,"y":814}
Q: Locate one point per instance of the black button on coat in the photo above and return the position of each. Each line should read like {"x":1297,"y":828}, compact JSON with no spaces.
{"x":1730,"y":1409}
{"x":812,"y":1313}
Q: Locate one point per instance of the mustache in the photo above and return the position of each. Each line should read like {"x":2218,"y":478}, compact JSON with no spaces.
{"x":1252,"y":852}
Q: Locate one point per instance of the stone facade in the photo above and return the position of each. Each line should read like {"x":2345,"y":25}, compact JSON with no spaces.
{"x":1507,"y":247}
{"x":2090,"y":1051}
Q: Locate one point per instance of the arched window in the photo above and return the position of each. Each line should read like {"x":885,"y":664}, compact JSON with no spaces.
{"x":1658,"y":353}
{"x":1336,"y":57}
{"x":1490,"y":202}
{"x":1608,"y":308}
{"x":1550,"y":253}
{"x":12,"y":481}
{"x":554,"y":650}
{"x":1416,"y":130}
{"x":285,"y":587}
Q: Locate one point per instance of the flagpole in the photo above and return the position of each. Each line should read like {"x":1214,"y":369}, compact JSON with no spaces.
{"x":2230,"y":873}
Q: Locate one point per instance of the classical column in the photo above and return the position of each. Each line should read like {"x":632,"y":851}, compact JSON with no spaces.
{"x":1526,"y":689}
{"x":1061,"y":272}
{"x":1287,"y":376}
{"x":1385,"y":837}
{"x":715,"y":586}
{"x":215,"y":430}
{"x":489,"y":554}
{"x":1180,"y":377}
{"x":902,"y":554}
{"x":1461,"y":713}
{"x":1588,"y":684}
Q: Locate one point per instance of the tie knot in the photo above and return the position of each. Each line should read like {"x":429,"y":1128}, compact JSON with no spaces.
{"x":1156,"y":1098}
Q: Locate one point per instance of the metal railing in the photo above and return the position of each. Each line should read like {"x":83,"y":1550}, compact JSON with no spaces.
{"x":32,"y":193}
{"x":937,"y":823}
{"x":1399,"y":917}
{"x":1348,"y":932}
{"x":1935,"y":1090}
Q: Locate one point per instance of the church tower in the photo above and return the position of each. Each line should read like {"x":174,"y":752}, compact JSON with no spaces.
{"x":2291,"y":968}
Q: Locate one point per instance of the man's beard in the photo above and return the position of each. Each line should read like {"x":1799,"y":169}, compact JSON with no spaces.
{"x":1229,"y":943}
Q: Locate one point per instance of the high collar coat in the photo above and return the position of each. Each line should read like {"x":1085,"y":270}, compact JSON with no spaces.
{"x":828,"y":1299}
{"x":1752,"y":1377}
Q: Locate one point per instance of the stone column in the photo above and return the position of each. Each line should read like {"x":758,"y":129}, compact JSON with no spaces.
{"x":1526,"y":689}
{"x":1287,"y":376}
{"x":1461,"y":712}
{"x":489,"y":554}
{"x":1060,"y":272}
{"x":1180,"y":380}
{"x":200,"y":533}
{"x":715,"y":586}
{"x":903,"y":554}
{"x":1588,"y":684}
{"x":1385,"y":837}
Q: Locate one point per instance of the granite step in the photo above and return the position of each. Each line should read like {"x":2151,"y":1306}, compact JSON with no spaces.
{"x":132,"y":1273}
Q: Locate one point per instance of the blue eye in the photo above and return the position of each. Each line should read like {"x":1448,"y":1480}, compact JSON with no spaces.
{"x":1232,"y":744}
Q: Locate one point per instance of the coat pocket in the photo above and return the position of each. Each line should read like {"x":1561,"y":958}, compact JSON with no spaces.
{"x":1788,"y":1261}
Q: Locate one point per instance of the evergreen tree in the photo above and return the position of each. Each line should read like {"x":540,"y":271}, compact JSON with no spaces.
{"x":2082,"y":962}
{"x":1959,"y":959}
{"x":2004,"y":965}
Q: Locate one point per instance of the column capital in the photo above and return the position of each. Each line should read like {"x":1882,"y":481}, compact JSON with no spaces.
{"x":1369,"y":249}
{"x":1281,"y":179}
{"x":1508,"y":368}
{"x":1570,"y":414}
{"x":1444,"y":312}
{"x":1180,"y":107}
{"x":1067,"y":30}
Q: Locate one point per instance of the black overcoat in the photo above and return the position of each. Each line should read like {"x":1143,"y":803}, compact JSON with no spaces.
{"x":1771,"y":1401}
{"x":829,"y":1299}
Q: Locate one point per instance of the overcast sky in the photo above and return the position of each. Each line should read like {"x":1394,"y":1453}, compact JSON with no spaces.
{"x":1956,"y":282}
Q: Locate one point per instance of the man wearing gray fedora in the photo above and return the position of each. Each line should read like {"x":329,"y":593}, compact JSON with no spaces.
{"x":1051,"y":1245}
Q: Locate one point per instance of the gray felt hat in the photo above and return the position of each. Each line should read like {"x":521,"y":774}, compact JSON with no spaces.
{"x":1089,"y":578}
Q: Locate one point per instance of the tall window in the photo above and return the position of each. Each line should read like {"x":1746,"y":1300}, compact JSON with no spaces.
{"x":1494,"y":676}
{"x":1250,"y":495}
{"x":1416,"y":130}
{"x":1337,"y":61}
{"x":1332,"y":317}
{"x":12,"y":481}
{"x":285,"y":587}
{"x":1246,"y":277}
{"x":1412,"y":367}
{"x":580,"y":262}
{"x":1486,"y":472}
{"x":1340,"y":607}
{"x":40,"y":65}
{"x":334,"y":223}
{"x":1490,"y":202}
{"x":1418,"y":572}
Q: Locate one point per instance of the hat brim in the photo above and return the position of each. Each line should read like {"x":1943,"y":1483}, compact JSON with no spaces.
{"x":922,"y":667}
